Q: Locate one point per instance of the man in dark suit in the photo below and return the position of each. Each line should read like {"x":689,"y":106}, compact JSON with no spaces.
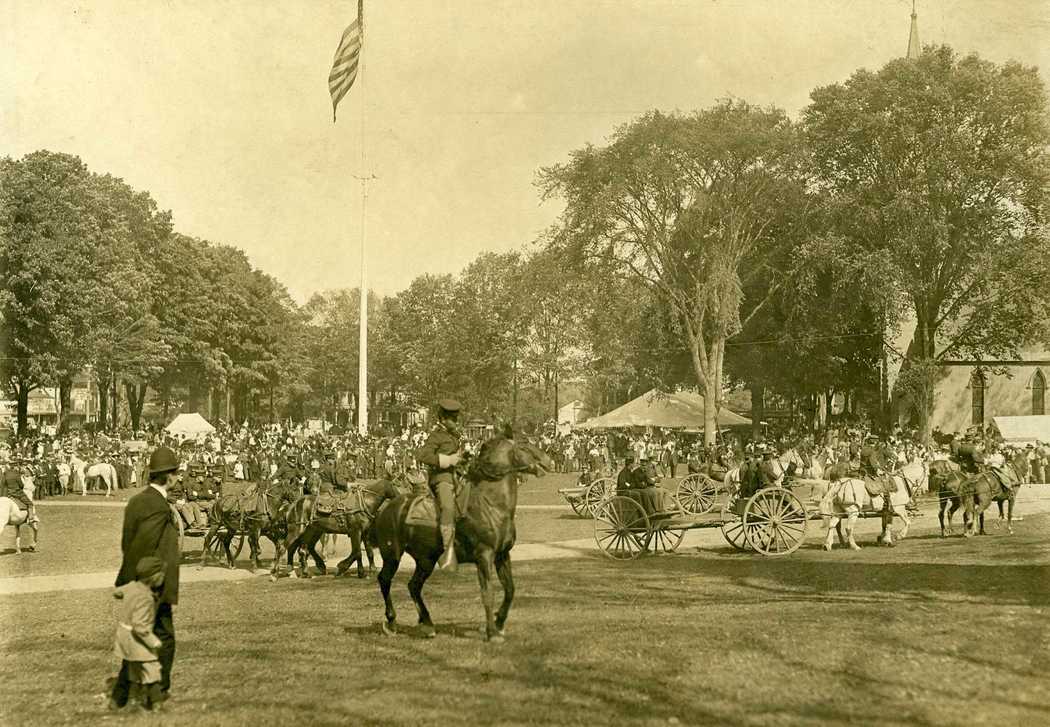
{"x":150,"y":529}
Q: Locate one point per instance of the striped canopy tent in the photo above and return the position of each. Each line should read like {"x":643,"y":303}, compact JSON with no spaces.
{"x":1024,"y":429}
{"x":680,"y":410}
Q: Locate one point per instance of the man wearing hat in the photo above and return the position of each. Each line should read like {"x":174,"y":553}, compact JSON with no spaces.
{"x":329,"y":474}
{"x":442,"y":451}
{"x":12,"y":487}
{"x":150,"y":530}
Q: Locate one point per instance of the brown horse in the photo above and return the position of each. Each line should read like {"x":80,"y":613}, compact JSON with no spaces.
{"x":264,"y":516}
{"x":484,"y":535}
{"x":306,"y":526}
{"x":985,"y":488}
{"x":948,"y":480}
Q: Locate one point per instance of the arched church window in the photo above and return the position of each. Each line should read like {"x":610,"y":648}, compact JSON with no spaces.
{"x":977,"y":387}
{"x":1039,"y":393}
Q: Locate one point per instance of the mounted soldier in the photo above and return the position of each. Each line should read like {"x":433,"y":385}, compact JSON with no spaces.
{"x":330,"y":476}
{"x":969,"y":455}
{"x":442,"y":451}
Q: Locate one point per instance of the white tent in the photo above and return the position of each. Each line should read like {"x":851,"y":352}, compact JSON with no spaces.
{"x":189,"y":426}
{"x":1023,"y":429}
{"x":678,"y":410}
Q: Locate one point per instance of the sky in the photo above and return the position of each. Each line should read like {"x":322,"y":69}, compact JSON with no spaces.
{"x":220,"y":108}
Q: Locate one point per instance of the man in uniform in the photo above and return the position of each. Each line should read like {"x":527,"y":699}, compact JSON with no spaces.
{"x":442,"y":451}
{"x":13,"y":488}
{"x":969,"y":456}
{"x":634,"y":482}
{"x":330,"y":477}
{"x":767,"y":474}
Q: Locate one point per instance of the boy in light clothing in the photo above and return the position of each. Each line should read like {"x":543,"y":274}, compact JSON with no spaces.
{"x":135,"y":641}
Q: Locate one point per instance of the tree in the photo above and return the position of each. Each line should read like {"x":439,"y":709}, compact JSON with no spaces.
{"x":45,"y":242}
{"x":490,"y":296}
{"x":690,"y":206}
{"x":939,"y":170}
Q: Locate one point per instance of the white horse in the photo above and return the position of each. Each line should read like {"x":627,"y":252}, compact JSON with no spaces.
{"x":12,"y":514}
{"x":103,"y":471}
{"x":917,"y":476}
{"x":848,"y":498}
{"x":813,"y":471}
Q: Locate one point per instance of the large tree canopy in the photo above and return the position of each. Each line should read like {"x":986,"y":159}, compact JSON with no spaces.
{"x":939,"y":170}
{"x":694,"y":207}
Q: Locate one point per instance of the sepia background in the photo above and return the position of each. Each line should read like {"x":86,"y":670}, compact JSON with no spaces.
{"x":221,"y":109}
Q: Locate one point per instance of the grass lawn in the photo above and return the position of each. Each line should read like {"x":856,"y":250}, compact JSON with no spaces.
{"x":936,"y":632}
{"x":87,"y":539}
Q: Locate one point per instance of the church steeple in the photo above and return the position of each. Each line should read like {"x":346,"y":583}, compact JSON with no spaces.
{"x":914,"y":50}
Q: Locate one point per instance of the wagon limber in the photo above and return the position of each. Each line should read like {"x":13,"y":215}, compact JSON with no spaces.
{"x":772,"y":522}
{"x":585,"y":499}
{"x":215,"y":546}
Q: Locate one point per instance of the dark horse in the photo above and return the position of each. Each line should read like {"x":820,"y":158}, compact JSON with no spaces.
{"x":484,"y":535}
{"x":974,"y":493}
{"x":305,"y":527}
{"x":265,"y":515}
{"x":985,"y":488}
{"x":948,"y":480}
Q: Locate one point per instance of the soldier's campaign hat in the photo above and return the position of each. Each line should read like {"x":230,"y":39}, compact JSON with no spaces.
{"x":449,"y":405}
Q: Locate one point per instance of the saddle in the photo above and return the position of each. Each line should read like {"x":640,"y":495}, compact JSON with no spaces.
{"x":999,"y":476}
{"x":245,"y":497}
{"x":338,"y":501}
{"x":422,"y":510}
{"x":878,"y":486}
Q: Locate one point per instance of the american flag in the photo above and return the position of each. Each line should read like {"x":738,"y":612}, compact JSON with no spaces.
{"x":347,"y":55}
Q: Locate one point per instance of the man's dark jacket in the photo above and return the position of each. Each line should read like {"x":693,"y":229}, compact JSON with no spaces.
{"x":149,"y":529}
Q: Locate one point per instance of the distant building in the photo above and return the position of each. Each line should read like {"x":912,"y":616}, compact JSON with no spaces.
{"x":970,"y":393}
{"x":570,"y":415}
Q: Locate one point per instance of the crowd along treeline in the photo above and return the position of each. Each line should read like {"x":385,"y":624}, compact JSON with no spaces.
{"x":727,"y":246}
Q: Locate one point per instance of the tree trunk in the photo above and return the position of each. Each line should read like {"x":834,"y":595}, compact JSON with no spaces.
{"x":758,"y":410}
{"x":555,"y":401}
{"x":22,"y":390}
{"x":65,"y":396}
{"x":707,"y":365}
{"x":115,"y":407}
{"x":103,"y":401}
{"x":711,"y":393}
{"x":924,"y":398}
{"x":136,"y":399}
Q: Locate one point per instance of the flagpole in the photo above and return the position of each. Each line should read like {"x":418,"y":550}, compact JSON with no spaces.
{"x":362,"y":352}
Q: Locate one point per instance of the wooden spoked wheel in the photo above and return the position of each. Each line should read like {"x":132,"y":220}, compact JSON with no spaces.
{"x":578,"y":505}
{"x":621,"y":528}
{"x":664,"y":539}
{"x":598,"y":492}
{"x":696,"y":494}
{"x":733,"y":526}
{"x":775,"y":522}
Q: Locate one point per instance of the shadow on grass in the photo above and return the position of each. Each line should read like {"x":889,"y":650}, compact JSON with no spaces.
{"x":468,"y":631}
